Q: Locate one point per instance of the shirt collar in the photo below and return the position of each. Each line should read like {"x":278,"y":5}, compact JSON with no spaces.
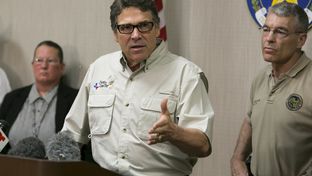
{"x":301,"y":63}
{"x":34,"y":94}
{"x":159,"y":52}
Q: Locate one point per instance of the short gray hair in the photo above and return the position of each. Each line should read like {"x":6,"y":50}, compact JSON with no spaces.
{"x":286,"y":9}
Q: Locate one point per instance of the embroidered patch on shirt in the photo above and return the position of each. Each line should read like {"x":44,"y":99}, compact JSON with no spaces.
{"x":294,"y":102}
{"x":103,"y":84}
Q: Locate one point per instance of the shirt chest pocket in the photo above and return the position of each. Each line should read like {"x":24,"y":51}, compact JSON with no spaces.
{"x":150,"y":114}
{"x":100,"y":109}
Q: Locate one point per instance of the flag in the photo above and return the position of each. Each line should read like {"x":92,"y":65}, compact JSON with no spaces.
{"x":161,"y":14}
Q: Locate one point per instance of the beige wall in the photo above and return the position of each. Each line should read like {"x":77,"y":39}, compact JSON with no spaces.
{"x":220,"y":36}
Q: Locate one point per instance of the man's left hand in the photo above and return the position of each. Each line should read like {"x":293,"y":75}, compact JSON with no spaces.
{"x":164,"y":129}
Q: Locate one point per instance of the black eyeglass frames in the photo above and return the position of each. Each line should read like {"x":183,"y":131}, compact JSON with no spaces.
{"x":142,"y":27}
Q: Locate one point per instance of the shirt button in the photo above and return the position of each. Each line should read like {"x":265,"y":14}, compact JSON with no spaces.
{"x":123,"y":157}
{"x":127,"y":104}
{"x":124,"y":130}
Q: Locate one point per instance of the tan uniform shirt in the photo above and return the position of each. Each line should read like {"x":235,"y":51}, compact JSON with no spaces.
{"x":116,"y":107}
{"x":281,"y":119}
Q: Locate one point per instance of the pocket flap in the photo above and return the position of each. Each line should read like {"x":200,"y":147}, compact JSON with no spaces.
{"x":101,"y":100}
{"x":153,"y":104}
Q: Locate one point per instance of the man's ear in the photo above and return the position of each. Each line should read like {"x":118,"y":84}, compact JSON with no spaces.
{"x":301,"y":40}
{"x":116,"y":36}
{"x":62,"y":68}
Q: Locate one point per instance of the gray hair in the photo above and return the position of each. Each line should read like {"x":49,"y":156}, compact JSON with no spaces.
{"x":286,"y":9}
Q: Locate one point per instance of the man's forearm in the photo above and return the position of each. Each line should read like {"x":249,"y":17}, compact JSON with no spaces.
{"x":242,"y":150}
{"x":191,"y":141}
{"x":243,"y":146}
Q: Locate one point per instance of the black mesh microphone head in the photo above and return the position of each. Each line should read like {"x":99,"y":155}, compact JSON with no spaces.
{"x":63,"y":147}
{"x":4,"y":125}
{"x":30,"y":147}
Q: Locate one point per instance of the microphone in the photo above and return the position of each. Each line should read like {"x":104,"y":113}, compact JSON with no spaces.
{"x":62,"y":147}
{"x":30,"y":147}
{"x":4,"y":125}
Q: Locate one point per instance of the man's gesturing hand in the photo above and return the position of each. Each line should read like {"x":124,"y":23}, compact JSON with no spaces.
{"x":164,"y":129}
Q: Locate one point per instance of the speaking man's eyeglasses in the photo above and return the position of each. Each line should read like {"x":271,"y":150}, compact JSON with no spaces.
{"x":143,"y":27}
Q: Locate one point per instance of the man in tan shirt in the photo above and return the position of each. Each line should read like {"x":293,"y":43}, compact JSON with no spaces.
{"x":278,"y":128}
